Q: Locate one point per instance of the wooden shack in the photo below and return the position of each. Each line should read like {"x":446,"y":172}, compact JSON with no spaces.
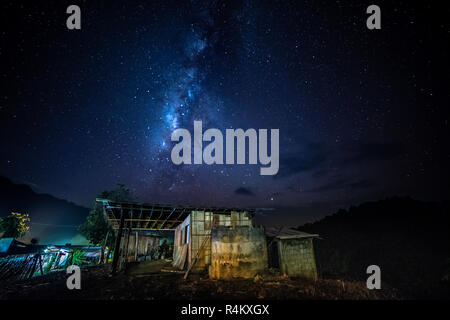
{"x":192,"y":228}
{"x":223,"y":242}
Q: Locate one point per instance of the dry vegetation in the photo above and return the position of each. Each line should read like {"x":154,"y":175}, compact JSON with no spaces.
{"x":155,"y":285}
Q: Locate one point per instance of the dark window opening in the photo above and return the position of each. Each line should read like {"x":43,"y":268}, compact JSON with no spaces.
{"x":186,"y":234}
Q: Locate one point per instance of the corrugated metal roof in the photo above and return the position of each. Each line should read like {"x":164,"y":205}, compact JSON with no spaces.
{"x":288,"y":233}
{"x":145,"y":217}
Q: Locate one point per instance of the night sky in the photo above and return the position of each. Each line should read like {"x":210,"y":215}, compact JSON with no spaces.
{"x":362,"y":113}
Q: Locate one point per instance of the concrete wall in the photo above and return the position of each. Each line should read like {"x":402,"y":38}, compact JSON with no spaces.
{"x":239,"y":252}
{"x":297,"y":257}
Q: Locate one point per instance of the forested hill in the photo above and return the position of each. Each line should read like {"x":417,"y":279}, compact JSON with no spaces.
{"x":53,"y":220}
{"x":408,"y":239}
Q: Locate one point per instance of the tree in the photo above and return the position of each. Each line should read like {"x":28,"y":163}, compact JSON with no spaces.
{"x":15,"y":225}
{"x":95,"y":228}
{"x":119,"y":193}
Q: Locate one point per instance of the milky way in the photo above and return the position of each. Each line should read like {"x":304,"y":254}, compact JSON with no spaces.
{"x":361,"y":113}
{"x":185,"y":98}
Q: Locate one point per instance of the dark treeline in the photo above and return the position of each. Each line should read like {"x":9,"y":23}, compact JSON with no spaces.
{"x":408,"y":239}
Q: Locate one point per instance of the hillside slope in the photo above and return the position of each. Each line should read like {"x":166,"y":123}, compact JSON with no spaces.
{"x":408,"y":239}
{"x":52,"y":219}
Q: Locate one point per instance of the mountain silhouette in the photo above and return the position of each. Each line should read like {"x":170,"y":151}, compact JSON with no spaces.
{"x":53,"y":220}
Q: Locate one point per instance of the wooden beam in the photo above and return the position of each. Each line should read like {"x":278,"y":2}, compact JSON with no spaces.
{"x":151,"y":214}
{"x":118,"y":239}
{"x":160,"y":215}
{"x":140,"y":217}
{"x":136,"y":246}
{"x":154,"y":229}
{"x":151,"y":220}
{"x":128,"y":242}
{"x":162,"y":224}
{"x":179,"y":216}
{"x":196,"y":256}
{"x":131,"y":214}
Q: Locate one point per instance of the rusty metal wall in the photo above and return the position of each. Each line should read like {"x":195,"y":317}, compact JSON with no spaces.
{"x":237,"y":252}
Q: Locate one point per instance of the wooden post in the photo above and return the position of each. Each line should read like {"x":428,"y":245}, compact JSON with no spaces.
{"x":117,"y":246}
{"x":106,"y":256}
{"x":55,"y":263}
{"x":40,"y":265}
{"x":24,"y":268}
{"x":136,"y":247}
{"x":102,"y":257}
{"x":146,"y":249}
{"x":33,"y":267}
{"x":128,"y":242}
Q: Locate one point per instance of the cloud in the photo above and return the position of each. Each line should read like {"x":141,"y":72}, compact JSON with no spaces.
{"x":244,"y":191}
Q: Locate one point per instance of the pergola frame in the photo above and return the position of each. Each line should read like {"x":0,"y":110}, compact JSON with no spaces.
{"x":154,"y":217}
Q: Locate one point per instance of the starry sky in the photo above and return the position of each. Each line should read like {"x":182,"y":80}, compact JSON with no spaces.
{"x":362,"y":113}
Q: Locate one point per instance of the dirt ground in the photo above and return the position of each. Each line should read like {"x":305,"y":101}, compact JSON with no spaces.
{"x":146,"y":281}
